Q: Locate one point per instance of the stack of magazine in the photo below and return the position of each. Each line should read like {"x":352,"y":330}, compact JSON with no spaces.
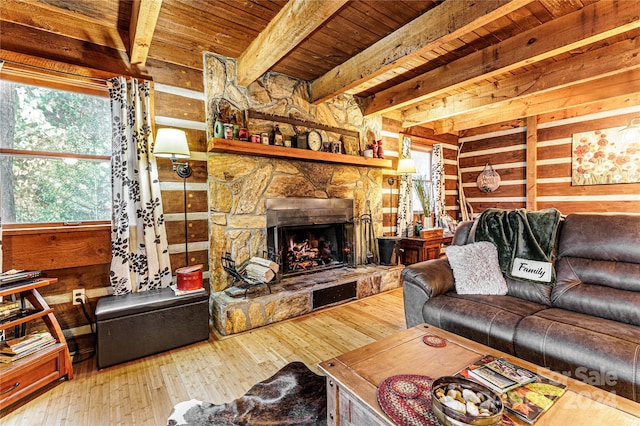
{"x":20,"y":347}
{"x":524,"y":393}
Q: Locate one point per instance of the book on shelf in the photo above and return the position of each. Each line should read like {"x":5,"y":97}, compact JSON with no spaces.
{"x":15,"y":349}
{"x":8,"y":306}
{"x":524,"y":394}
{"x":8,"y":310}
{"x":24,"y":343}
{"x":5,"y":358}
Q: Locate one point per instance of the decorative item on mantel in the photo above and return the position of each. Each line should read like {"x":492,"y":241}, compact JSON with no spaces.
{"x":488,"y":180}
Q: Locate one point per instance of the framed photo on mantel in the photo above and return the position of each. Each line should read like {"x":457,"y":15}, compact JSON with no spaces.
{"x":351,"y":145}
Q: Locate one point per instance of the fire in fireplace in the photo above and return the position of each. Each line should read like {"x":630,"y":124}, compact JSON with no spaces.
{"x":311,"y":234}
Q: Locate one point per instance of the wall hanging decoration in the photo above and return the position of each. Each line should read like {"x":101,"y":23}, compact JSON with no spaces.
{"x":488,"y":180}
{"x":606,"y":156}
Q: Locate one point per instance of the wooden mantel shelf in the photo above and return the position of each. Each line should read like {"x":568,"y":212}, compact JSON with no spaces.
{"x":248,"y":148}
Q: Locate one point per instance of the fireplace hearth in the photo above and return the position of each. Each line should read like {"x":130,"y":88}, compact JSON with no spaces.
{"x":311,"y":234}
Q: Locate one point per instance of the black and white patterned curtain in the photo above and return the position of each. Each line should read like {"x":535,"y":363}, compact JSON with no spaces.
{"x":1,"y":268}
{"x":404,"y":222}
{"x":138,"y":238}
{"x":437,"y":179}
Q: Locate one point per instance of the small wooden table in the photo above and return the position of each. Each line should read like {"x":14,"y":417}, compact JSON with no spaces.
{"x":415,"y":249}
{"x":26,"y":376}
{"x":353,"y":379}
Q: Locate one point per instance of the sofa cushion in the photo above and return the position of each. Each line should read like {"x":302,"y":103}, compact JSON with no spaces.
{"x":612,"y":237}
{"x":581,"y":291}
{"x":598,"y":266}
{"x":533,"y":292}
{"x":579,"y":345}
{"x":476,"y":269}
{"x":488,"y":319}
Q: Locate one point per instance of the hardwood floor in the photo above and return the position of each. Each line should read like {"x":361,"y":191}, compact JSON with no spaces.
{"x":143,"y":392}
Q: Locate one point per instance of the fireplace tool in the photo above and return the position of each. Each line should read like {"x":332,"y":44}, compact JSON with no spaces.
{"x":367,"y":236}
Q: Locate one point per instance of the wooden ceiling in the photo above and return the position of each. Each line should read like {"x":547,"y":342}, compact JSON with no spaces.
{"x":450,"y":65}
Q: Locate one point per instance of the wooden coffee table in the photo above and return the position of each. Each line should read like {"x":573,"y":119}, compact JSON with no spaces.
{"x":353,"y":378}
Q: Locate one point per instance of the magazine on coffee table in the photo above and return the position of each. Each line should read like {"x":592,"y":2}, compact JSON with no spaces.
{"x":532,"y":400}
{"x":502,"y":376}
{"x":528,"y":401}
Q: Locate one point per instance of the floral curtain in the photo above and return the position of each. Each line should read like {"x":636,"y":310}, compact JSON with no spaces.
{"x":138,"y":238}
{"x":437,"y":179}
{"x":404,"y":222}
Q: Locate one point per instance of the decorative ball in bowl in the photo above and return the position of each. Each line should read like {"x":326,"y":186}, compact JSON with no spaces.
{"x":457,"y":401}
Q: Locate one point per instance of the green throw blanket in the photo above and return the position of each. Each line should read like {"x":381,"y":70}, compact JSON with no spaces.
{"x":525,"y":241}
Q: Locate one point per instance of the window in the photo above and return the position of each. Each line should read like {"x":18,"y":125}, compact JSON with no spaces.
{"x":422,"y":160}
{"x":55,"y":148}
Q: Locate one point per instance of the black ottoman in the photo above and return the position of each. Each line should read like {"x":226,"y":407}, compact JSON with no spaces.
{"x":140,"y":324}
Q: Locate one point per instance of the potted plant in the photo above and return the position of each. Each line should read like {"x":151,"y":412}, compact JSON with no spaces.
{"x":423,"y":190}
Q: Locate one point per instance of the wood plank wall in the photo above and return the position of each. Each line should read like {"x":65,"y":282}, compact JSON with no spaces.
{"x":504,"y":146}
{"x":505,"y":151}
{"x":421,"y":137}
{"x":554,"y":187}
{"x":80,"y":258}
{"x":180,"y":103}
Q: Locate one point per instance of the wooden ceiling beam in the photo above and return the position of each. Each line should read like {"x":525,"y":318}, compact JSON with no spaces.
{"x":56,"y":20}
{"x":442,"y":24}
{"x":523,"y":88}
{"x":53,"y":47}
{"x":624,"y":89}
{"x":295,"y":21}
{"x":144,"y":17}
{"x":586,"y":26}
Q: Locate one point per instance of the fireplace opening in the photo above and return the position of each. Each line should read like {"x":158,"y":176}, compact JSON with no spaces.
{"x":314,"y":247}
{"x":310,"y":234}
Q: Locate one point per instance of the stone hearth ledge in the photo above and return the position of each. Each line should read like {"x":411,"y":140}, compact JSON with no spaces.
{"x":292,"y":296}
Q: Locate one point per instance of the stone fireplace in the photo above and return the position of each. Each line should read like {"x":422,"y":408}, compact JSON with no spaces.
{"x":244,"y":189}
{"x":242,"y":186}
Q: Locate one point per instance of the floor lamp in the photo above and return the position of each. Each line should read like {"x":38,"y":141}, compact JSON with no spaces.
{"x":172,"y":144}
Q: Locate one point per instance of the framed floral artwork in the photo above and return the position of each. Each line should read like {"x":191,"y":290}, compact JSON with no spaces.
{"x":604,"y":156}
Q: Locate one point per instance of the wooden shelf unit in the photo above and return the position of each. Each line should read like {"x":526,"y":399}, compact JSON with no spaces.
{"x":26,"y":376}
{"x":248,"y":148}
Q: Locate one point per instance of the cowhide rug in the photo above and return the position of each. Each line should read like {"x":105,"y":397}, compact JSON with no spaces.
{"x":294,"y":395}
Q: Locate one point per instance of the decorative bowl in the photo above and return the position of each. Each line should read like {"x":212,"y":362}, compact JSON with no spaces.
{"x":451,"y":417}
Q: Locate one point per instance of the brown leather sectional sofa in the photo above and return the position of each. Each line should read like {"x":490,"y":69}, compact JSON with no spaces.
{"x":586,"y":326}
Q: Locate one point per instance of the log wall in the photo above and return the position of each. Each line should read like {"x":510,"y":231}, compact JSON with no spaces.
{"x":505,"y":147}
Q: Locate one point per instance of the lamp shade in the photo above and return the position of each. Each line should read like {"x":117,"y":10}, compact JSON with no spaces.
{"x":406,"y":165}
{"x":171,"y":143}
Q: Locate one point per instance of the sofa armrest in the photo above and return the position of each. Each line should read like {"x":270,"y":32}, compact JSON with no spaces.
{"x":422,"y":281}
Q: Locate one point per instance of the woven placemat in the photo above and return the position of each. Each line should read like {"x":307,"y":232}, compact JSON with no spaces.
{"x":406,"y":399}
{"x":435,"y":341}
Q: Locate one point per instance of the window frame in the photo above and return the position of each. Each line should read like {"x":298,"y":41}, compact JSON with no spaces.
{"x":417,"y":208}
{"x":63,"y":81}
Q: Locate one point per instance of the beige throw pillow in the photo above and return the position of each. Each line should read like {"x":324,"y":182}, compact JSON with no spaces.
{"x":476,"y":269}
